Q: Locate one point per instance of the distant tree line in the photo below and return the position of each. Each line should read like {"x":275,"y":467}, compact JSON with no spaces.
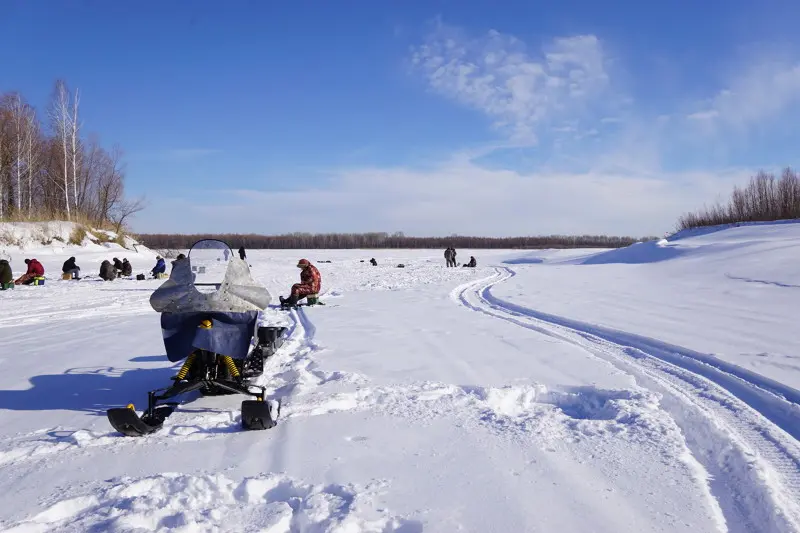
{"x":50,"y":170}
{"x":383,"y":240}
{"x":765,"y":198}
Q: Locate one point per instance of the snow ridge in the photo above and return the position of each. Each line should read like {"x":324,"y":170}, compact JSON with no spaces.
{"x":181,"y":503}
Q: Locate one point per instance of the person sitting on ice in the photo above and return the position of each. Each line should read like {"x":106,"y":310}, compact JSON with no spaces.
{"x":6,"y":275}
{"x":127,"y":269}
{"x":107,"y":270}
{"x":310,"y":283}
{"x":373,"y":262}
{"x":472,"y":263}
{"x":118,"y":266}
{"x":71,"y":268}
{"x":35,"y":270}
{"x":160,"y":268}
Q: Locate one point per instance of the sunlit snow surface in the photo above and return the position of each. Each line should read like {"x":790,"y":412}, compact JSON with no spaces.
{"x":652,"y":388}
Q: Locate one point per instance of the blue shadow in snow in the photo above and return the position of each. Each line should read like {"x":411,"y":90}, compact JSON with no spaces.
{"x":92,"y":390}
{"x":149,"y":359}
{"x":524,"y":261}
{"x":635,"y":254}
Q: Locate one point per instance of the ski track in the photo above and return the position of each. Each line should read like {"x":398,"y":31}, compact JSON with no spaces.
{"x":741,"y":428}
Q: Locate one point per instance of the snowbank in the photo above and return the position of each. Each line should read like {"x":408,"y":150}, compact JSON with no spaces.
{"x":49,"y":242}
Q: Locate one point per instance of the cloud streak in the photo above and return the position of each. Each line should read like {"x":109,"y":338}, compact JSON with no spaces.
{"x":521,"y":93}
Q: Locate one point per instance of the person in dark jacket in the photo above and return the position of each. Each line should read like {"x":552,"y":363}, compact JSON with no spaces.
{"x":118,"y":266}
{"x":71,"y":268}
{"x":6,"y":275}
{"x":35,"y":270}
{"x":107,"y":270}
{"x":373,"y":262}
{"x":472,"y":263}
{"x":127,"y":269}
{"x":160,"y":268}
{"x":242,"y":255}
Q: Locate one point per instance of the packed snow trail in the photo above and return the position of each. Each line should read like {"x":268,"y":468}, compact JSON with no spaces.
{"x":740,"y":426}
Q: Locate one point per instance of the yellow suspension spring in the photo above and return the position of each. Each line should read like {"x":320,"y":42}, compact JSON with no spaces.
{"x":186,"y":366}
{"x":228,"y":360}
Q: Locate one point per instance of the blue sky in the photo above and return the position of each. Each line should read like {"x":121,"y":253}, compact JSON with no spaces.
{"x":430,"y":117}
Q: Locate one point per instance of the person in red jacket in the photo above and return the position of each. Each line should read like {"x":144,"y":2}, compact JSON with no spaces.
{"x":310,"y":283}
{"x":35,"y":270}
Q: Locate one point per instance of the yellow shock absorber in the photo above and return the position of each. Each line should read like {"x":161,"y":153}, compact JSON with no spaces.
{"x":186,"y":366}
{"x":228,"y":360}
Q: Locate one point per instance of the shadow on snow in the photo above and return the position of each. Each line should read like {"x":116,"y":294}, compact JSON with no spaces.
{"x":88,"y":389}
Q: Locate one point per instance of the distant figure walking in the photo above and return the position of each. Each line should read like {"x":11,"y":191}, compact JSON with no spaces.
{"x":242,"y":255}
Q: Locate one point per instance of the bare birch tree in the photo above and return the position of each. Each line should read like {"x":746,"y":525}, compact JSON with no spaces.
{"x":74,"y":127}
{"x":32,"y":130}
{"x":60,"y":116}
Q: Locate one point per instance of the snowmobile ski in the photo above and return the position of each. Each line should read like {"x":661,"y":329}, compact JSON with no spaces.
{"x":257,"y":414}
{"x":126,"y":421}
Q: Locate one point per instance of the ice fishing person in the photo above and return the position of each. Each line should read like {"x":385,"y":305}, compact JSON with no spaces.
{"x":448,"y":256}
{"x":160,"y":268}
{"x":35,"y":270}
{"x":310,"y":283}
{"x":127,"y":269}
{"x":69,"y":267}
{"x":107,"y":271}
{"x":6,"y":275}
{"x":242,"y":254}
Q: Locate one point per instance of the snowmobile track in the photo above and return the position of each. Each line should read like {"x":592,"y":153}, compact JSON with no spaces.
{"x":741,"y":427}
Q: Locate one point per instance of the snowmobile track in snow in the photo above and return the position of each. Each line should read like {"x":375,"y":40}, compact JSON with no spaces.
{"x":741,"y":427}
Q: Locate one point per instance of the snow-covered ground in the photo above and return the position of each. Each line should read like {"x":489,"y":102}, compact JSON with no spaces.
{"x":652,"y":388}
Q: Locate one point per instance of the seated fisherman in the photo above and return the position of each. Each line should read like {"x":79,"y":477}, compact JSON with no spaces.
{"x":35,"y":270}
{"x":310,"y":283}
{"x":160,"y":268}
{"x":71,"y":268}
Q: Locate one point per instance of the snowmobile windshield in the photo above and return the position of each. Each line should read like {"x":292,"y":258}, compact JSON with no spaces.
{"x":209,"y":259}
{"x":210,"y":279}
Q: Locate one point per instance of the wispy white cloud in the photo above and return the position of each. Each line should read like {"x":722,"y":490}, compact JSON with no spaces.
{"x":759,"y":92}
{"x":460,"y":196}
{"x":522,"y":93}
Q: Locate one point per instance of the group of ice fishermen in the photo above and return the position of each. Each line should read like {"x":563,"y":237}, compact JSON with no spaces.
{"x":309,"y":286}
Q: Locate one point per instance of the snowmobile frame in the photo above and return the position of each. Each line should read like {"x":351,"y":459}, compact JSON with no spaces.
{"x":212,"y":374}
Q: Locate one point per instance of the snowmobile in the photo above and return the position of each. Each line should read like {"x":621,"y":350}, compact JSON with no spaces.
{"x":210,"y":308}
